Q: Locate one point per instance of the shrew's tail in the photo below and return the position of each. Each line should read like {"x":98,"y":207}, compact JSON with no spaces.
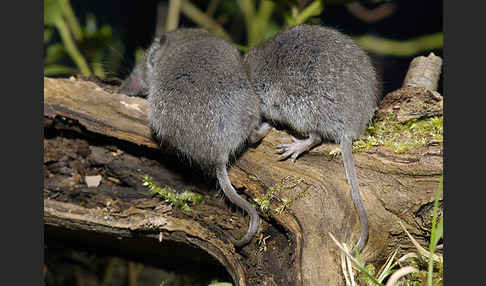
{"x":230,"y":192}
{"x":346,"y":150}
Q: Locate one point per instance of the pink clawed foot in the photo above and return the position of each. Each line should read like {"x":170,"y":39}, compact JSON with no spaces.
{"x":293,"y":150}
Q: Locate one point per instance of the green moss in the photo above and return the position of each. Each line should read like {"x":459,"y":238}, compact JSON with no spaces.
{"x":182,"y":199}
{"x":288,"y":182}
{"x":401,"y":136}
{"x":288,"y":202}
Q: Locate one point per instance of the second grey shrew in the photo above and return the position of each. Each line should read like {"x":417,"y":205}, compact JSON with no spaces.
{"x":322,"y":85}
{"x":200,"y":102}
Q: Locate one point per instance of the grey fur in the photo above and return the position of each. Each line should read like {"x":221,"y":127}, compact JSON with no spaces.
{"x":320,"y":83}
{"x":135,"y":83}
{"x":202,"y":103}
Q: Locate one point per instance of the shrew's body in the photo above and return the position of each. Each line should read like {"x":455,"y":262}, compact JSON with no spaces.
{"x":322,"y":85}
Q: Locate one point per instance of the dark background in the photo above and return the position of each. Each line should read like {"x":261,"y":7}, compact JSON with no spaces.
{"x":135,"y":23}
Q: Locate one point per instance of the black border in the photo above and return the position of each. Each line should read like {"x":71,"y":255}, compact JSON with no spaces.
{"x":464,"y":122}
{"x":22,"y":144}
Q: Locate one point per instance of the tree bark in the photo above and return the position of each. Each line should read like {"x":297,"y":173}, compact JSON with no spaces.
{"x":91,"y":131}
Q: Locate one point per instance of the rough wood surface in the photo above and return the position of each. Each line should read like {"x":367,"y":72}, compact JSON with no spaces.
{"x":424,"y":72}
{"x":408,"y":103}
{"x":89,"y":131}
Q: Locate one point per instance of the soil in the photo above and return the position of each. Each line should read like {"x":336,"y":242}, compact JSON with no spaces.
{"x":71,"y":153}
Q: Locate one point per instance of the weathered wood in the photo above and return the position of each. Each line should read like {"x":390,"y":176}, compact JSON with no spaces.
{"x":408,"y":103}
{"x":126,"y":224}
{"x":424,"y":72}
{"x":86,"y":102}
{"x":292,"y":248}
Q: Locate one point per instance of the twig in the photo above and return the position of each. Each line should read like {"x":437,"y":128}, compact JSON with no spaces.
{"x":202,"y":20}
{"x":173,"y":15}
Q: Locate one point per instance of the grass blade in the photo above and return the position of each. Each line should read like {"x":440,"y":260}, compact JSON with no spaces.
{"x":356,"y":262}
{"x":399,"y":274}
{"x":436,"y":233}
{"x":385,"y":270}
{"x":422,"y":251}
{"x":343,"y":268}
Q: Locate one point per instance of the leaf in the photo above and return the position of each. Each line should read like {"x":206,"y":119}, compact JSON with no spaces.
{"x":438,"y":232}
{"x":54,"y":53}
{"x":271,"y":29}
{"x":91,"y":26}
{"x":48,"y":32}
{"x":50,"y":70}
{"x":52,"y":12}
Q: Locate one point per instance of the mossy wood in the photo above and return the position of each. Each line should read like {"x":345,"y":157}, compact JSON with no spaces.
{"x":92,"y":131}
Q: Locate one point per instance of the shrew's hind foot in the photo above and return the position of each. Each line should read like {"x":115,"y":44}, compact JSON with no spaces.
{"x":297,"y":147}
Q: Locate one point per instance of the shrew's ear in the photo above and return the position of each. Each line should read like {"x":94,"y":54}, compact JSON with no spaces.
{"x":162,"y":39}
{"x":156,"y":50}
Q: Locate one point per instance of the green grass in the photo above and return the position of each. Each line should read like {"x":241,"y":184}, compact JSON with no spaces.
{"x":421,"y":267}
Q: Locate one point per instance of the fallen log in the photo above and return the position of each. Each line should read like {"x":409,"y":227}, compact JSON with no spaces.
{"x":90,"y":131}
